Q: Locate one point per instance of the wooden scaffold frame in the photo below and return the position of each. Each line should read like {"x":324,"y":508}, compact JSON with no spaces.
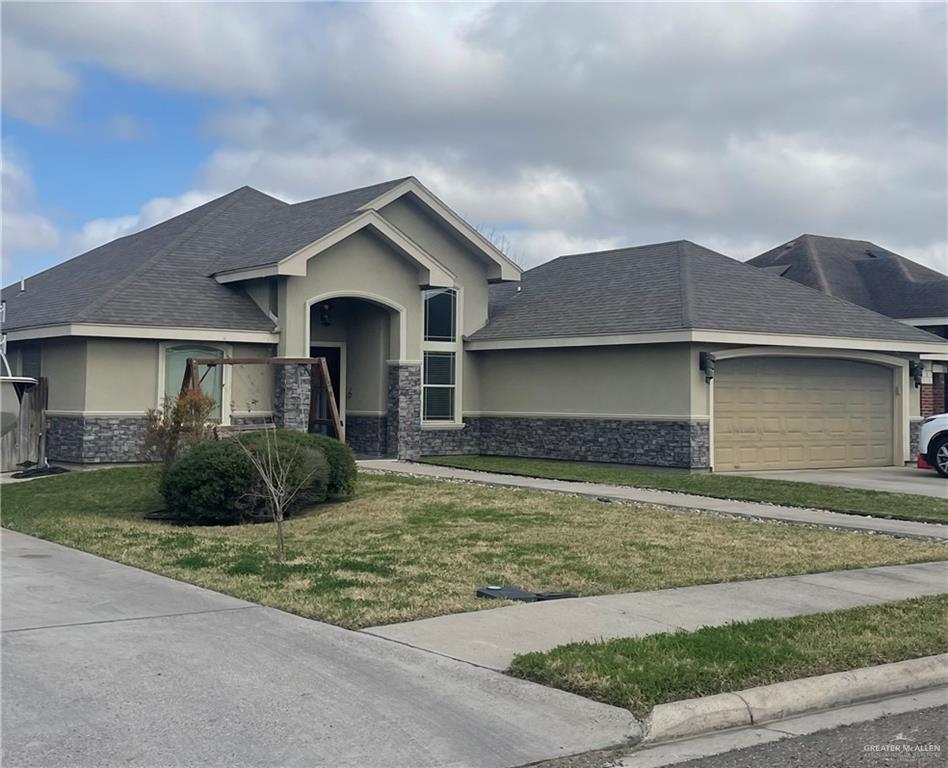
{"x":317,"y":366}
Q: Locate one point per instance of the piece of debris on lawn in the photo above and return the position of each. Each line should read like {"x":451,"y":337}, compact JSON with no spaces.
{"x":510,"y":592}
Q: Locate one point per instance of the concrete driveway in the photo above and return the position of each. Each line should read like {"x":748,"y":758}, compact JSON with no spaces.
{"x":921,"y":482}
{"x":109,"y":665}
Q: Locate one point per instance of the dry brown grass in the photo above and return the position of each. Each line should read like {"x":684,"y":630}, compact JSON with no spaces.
{"x":407,"y":548}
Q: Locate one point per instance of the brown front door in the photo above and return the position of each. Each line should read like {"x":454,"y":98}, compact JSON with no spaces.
{"x":319,"y":414}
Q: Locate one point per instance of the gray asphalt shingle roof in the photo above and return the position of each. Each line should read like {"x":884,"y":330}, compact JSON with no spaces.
{"x":863,"y":273}
{"x":162,"y":276}
{"x":671,"y":286}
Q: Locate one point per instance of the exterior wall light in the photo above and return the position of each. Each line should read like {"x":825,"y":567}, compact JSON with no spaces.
{"x":916,"y":370}
{"x":706,"y":364}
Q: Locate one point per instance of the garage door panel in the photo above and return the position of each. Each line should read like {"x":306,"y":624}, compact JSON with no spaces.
{"x":772,"y":413}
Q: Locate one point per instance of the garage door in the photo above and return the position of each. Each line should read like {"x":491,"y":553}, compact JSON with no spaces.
{"x":798,"y":413}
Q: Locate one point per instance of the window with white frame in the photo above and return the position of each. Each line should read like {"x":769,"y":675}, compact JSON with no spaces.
{"x":440,"y":360}
{"x":211,"y":377}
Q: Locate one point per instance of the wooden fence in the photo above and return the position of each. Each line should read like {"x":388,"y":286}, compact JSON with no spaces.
{"x":24,"y":443}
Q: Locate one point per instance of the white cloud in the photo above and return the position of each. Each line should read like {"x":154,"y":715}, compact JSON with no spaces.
{"x":223,"y":48}
{"x":564,"y":125}
{"x":37,"y":86}
{"x":24,"y":231}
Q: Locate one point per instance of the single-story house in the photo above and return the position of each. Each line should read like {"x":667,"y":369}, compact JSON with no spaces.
{"x":873,"y":277}
{"x":667,"y":354}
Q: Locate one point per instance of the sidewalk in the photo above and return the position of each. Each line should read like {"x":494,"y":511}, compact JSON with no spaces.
{"x":624,"y":493}
{"x":491,"y":638}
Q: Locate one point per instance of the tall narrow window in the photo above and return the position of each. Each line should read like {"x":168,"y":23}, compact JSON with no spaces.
{"x":440,"y":311}
{"x":212,"y":380}
{"x":439,"y":386}
{"x":440,"y":363}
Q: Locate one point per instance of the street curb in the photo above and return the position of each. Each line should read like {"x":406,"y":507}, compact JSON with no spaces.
{"x":754,"y":706}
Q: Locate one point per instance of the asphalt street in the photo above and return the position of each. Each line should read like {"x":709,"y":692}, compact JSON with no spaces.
{"x":911,"y":739}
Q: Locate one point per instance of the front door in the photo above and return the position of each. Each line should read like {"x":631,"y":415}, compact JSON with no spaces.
{"x":319,"y":413}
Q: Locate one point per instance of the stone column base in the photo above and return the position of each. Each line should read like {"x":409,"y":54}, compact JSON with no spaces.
{"x":292,"y":392}
{"x":404,"y":412}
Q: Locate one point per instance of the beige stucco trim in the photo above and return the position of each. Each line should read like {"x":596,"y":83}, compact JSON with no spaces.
{"x":923,"y":320}
{"x":430,"y":270}
{"x":366,"y":413}
{"x":575,"y":415}
{"x":505,"y":269}
{"x":142,"y":332}
{"x":901,"y":387}
{"x":713,"y":337}
{"x":368,"y":296}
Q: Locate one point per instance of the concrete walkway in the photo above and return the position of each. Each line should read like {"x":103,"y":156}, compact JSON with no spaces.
{"x":491,"y":638}
{"x":104,"y":664}
{"x":911,"y":480}
{"x":625,"y":493}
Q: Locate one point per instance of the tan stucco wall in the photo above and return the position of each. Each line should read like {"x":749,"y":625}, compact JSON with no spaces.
{"x":470,"y":270}
{"x":632,"y":381}
{"x":63,"y":364}
{"x":359,"y":264}
{"x":122,"y":375}
{"x":251,"y":386}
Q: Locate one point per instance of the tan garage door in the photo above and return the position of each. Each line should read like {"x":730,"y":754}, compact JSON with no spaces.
{"x":798,"y":413}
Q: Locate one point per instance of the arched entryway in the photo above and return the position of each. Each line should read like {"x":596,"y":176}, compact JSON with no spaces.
{"x":360,"y":336}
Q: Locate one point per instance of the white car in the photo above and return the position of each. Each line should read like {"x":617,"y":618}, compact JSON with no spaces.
{"x":933,"y":443}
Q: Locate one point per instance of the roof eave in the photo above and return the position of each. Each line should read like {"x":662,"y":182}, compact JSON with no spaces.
{"x":504,"y":269}
{"x":711,"y":336}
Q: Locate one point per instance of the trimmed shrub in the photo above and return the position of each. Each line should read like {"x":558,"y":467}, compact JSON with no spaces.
{"x":216,"y":482}
{"x":213,"y":483}
{"x":342,"y":464}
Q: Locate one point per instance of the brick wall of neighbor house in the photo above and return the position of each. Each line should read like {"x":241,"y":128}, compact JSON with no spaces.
{"x":662,"y":443}
{"x":932,"y":396}
{"x":94,"y":439}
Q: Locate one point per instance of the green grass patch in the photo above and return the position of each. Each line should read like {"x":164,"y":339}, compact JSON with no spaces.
{"x":406,"y":548}
{"x":897,"y":506}
{"x":639,"y":673}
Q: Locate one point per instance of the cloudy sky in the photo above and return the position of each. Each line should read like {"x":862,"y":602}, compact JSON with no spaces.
{"x":555,"y":128}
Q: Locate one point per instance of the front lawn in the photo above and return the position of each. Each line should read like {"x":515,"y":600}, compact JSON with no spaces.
{"x":406,"y":548}
{"x":639,"y":673}
{"x":900,"y":506}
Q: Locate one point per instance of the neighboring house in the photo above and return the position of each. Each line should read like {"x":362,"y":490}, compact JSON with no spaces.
{"x":870,"y":276}
{"x":437,"y":344}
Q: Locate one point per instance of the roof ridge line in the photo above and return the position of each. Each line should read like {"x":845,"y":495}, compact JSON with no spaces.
{"x":155,"y":256}
{"x":817,"y":265}
{"x":683,"y":287}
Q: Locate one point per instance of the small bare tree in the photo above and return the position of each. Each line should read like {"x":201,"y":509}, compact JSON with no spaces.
{"x":279,"y":481}
{"x":178,"y":424}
